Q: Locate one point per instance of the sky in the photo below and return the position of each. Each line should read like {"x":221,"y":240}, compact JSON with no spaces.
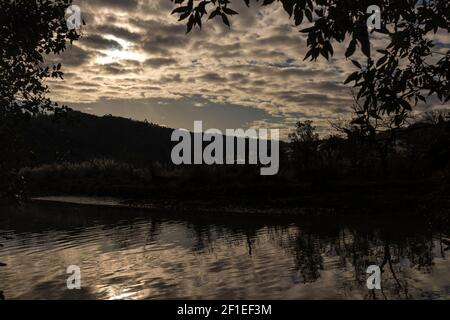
{"x":135,"y":60}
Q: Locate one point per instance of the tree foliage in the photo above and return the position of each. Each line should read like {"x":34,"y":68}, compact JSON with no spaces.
{"x":390,"y":80}
{"x":304,"y":141}
{"x":29,"y":31}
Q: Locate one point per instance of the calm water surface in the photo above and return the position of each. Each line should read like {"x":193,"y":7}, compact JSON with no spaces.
{"x":132,"y":254}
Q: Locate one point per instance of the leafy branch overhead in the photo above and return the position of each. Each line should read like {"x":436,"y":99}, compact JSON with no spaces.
{"x":31,"y":30}
{"x":186,"y":10}
{"x":409,"y":67}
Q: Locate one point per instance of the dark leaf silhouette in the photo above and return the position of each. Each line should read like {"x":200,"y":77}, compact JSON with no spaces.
{"x":397,"y":81}
{"x":29,"y":31}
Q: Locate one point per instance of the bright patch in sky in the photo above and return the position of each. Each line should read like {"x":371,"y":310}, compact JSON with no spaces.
{"x":117,"y":55}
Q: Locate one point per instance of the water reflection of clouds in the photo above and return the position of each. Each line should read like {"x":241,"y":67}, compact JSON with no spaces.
{"x":152,"y":257}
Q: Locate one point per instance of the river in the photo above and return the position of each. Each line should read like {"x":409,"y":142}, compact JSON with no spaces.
{"x":137,"y":254}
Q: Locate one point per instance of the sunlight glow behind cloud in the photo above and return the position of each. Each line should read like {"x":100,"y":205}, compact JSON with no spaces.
{"x":134,"y":53}
{"x":115,"y":55}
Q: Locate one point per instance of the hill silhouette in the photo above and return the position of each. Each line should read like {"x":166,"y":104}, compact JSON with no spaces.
{"x":82,"y":154}
{"x":79,"y":136}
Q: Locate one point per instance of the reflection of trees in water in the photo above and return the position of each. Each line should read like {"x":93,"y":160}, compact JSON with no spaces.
{"x":155,"y":228}
{"x":205,"y":236}
{"x":2,"y":297}
{"x":357,"y":249}
{"x":305,"y":248}
{"x":307,"y":251}
{"x":350,"y":249}
{"x":127,"y":234}
{"x":342,"y":247}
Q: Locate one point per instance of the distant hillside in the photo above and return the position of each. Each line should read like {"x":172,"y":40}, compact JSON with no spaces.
{"x":79,"y":136}
{"x":109,"y":156}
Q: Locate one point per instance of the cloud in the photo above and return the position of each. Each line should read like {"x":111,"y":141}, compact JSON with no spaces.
{"x":96,"y":41}
{"x":134,"y":52}
{"x":212,"y":77}
{"x":128,"y":5}
{"x":73,"y":57}
{"x":119,"y":32}
{"x":159,"y":62}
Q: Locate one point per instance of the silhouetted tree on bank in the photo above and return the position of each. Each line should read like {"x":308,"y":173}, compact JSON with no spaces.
{"x":304,"y":142}
{"x":369,"y":133}
{"x":29,"y":31}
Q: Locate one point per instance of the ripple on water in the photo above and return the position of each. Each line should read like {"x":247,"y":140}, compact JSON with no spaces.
{"x":154,"y":257}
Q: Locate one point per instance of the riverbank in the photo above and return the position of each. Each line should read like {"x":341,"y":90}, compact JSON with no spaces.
{"x":396,"y":198}
{"x":180,"y":207}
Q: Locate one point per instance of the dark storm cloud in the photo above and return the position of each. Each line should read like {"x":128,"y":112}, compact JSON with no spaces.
{"x":259,"y":83}
{"x":311,"y":99}
{"x":86,"y":84}
{"x":74,"y":56}
{"x":119,"y":68}
{"x":118,"y":4}
{"x":326,"y":86}
{"x":96,"y":41}
{"x":159,"y":62}
{"x":280,"y":40}
{"x":119,"y":32}
{"x":268,"y":54}
{"x":212,"y":77}
{"x":173,"y":78}
{"x":235,"y":76}
{"x":217,"y":48}
{"x":159,"y":36}
{"x":163,"y":44}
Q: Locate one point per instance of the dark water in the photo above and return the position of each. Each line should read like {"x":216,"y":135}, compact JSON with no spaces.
{"x":129,"y":254}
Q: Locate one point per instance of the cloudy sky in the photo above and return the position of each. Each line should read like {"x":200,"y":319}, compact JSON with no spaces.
{"x":135,"y":60}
